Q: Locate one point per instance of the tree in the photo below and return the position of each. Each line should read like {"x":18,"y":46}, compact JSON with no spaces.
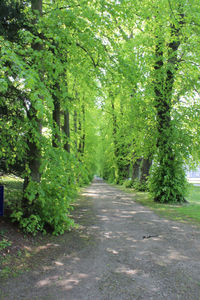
{"x":97,"y":87}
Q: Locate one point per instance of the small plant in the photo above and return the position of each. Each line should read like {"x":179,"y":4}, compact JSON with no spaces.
{"x":31,"y":224}
{"x":128,"y":183}
{"x":5,"y":244}
{"x":140,"y":186}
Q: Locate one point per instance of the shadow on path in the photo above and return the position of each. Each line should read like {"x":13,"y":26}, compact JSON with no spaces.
{"x":122,"y":250}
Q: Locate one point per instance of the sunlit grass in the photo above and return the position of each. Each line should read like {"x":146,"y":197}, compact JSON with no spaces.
{"x":188,"y":212}
{"x":12,"y":189}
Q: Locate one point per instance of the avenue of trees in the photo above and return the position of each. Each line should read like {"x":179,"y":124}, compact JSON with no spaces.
{"x":97,"y":87}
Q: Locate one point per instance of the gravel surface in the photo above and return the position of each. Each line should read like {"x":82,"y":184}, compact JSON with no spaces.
{"x":121,"y":251}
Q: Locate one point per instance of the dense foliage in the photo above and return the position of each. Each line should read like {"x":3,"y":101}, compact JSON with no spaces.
{"x":101,"y":87}
{"x":153,"y":99}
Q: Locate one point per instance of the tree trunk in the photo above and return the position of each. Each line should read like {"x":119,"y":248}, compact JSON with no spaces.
{"x":36,"y":5}
{"x":81,"y":129}
{"x":136,"y":169}
{"x":169,"y":162}
{"x":144,"y":169}
{"x":75,"y":129}
{"x":80,"y":132}
{"x":34,"y":146}
{"x":120,"y":150}
{"x":116,"y":149}
{"x":56,"y":119}
{"x":66,"y":129}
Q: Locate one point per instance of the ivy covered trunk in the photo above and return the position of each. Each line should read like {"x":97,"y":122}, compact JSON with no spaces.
{"x":34,"y":134}
{"x":144,"y":170}
{"x":168,"y":178}
{"x":136,"y":169}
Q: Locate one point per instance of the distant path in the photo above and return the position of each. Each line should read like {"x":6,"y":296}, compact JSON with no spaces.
{"x":122,"y":251}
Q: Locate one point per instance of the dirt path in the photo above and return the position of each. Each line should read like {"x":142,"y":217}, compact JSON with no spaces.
{"x":121,"y":251}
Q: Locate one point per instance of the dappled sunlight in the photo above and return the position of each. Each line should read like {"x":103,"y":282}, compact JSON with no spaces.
{"x":103,"y":218}
{"x":112,"y":251}
{"x":45,"y":247}
{"x":58,"y":263}
{"x":90,"y":194}
{"x":175,"y":255}
{"x":47,"y":268}
{"x":104,"y":210}
{"x":178,"y":228}
{"x":127,"y":271}
{"x":28,"y":248}
{"x":118,"y":247}
{"x":108,"y":235}
{"x":153,"y":238}
{"x":130,"y":239}
{"x":119,"y":202}
{"x":67,"y":283}
{"x":47,"y":281}
{"x":71,"y":281}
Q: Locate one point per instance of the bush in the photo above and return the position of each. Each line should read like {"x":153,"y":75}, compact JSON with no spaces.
{"x":128,"y":183}
{"x":136,"y":184}
{"x":140,"y":186}
{"x":167,"y":181}
{"x":50,"y":201}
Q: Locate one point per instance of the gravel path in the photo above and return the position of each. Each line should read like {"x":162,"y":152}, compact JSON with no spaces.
{"x":121,"y":251}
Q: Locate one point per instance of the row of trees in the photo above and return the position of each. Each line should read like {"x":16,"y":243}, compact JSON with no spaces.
{"x":103,"y":87}
{"x":49,"y":56}
{"x":151,"y":99}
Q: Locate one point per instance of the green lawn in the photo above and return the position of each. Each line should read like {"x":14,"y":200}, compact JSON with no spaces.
{"x":12,"y":190}
{"x":189,"y":212}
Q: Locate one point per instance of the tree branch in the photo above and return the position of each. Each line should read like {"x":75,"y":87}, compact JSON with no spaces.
{"x":85,"y":50}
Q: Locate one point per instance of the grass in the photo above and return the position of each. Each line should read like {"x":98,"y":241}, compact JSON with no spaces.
{"x":5,"y":244}
{"x":189,"y":212}
{"x":13,"y":265}
{"x":12,"y":190}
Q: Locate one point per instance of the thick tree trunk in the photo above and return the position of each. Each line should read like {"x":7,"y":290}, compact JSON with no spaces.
{"x":34,"y":149}
{"x":144,"y":169}
{"x":168,"y":163}
{"x":34,"y":146}
{"x":37,"y":5}
{"x":136,"y":169}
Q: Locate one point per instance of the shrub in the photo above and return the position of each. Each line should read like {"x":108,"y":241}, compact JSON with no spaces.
{"x":128,"y":183}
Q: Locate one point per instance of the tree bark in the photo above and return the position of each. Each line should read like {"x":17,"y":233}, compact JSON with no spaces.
{"x":165,"y":76}
{"x":66,"y":129}
{"x":144,"y":169}
{"x":75,"y":129}
{"x":136,"y":169}
{"x":34,"y":146}
{"x":56,"y":119}
{"x":81,"y":129}
{"x":120,"y":151}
